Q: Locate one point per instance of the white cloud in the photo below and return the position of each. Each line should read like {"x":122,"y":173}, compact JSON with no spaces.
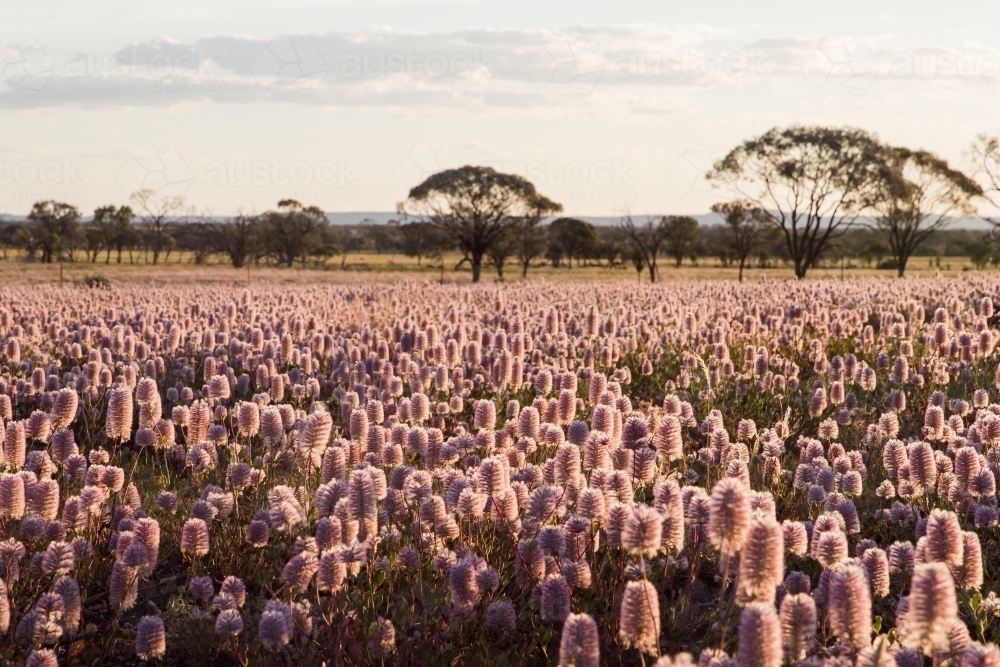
{"x":621,"y":67}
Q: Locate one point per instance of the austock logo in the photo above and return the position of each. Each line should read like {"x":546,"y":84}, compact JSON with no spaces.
{"x":291,"y":62}
{"x":565,"y":65}
{"x":148,"y":168}
{"x":24,"y":65}
{"x":52,"y":179}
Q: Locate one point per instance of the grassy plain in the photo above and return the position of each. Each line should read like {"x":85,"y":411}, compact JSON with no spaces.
{"x":386,"y":267}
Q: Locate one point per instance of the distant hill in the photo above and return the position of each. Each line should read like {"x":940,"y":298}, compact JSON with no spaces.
{"x":353,"y":218}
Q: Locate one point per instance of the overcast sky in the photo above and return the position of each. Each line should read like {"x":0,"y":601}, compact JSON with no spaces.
{"x":605,"y":106}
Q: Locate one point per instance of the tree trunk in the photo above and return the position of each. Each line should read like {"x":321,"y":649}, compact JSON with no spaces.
{"x":652,"y":273}
{"x":742,"y":261}
{"x":477,"y":267}
{"x":901,"y":266}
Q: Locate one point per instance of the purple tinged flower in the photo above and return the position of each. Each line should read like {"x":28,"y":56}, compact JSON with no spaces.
{"x":759,"y":636}
{"x":639,"y":617}
{"x":150,"y":638}
{"x":849,"y":606}
{"x":579,"y":645}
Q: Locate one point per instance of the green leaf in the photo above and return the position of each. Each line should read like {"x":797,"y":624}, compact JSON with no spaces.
{"x":877,"y":625}
{"x":891,"y":636}
{"x":975,"y":601}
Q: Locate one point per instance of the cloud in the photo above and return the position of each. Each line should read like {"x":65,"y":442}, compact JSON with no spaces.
{"x":633,"y":68}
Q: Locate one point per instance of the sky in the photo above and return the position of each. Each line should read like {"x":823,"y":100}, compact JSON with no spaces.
{"x":607,"y":107}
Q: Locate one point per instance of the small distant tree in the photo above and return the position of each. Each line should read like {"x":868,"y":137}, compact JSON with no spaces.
{"x":529,"y":244}
{"x":746,"y":225}
{"x":477,"y":207}
{"x":115,"y":223}
{"x":502,"y":250}
{"x":238,"y":238}
{"x":421,"y":239}
{"x":612,"y":245}
{"x":874,"y":251}
{"x":352,"y":239}
{"x":681,"y":237}
{"x":95,"y":239}
{"x":197,"y":236}
{"x":8,"y":237}
{"x":922,"y":194}
{"x":381,"y":238}
{"x":322,"y":253}
{"x":980,"y":254}
{"x":293,"y":231}
{"x":645,"y":239}
{"x":554,"y":253}
{"x":576,"y":238}
{"x":52,"y":227}
{"x":155,"y":211}
{"x":609,"y":252}
{"x":329,"y":244}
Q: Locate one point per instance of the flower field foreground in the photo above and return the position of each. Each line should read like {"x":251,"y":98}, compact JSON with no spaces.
{"x":417,"y":474}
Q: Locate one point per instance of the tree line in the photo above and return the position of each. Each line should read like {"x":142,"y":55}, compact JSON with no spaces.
{"x":154,"y":226}
{"x":798,"y":194}
{"x":808,"y":185}
{"x":563,"y":243}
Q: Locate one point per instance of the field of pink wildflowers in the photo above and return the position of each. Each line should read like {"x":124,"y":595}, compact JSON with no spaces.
{"x":720,"y":474}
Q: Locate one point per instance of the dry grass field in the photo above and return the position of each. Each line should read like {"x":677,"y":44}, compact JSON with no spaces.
{"x":386,"y":267}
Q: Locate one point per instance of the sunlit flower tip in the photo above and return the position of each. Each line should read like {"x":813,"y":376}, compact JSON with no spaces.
{"x":150,"y":638}
{"x":194,"y":538}
{"x":639,"y":617}
{"x":759,"y":636}
{"x":579,"y":645}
